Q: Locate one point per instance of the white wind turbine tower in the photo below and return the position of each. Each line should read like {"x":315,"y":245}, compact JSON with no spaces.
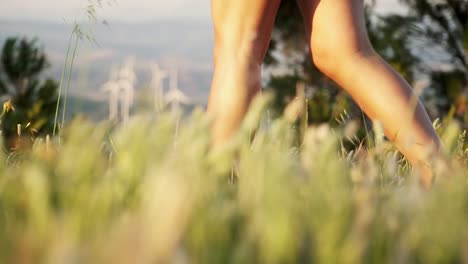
{"x":127,"y":79}
{"x":158,"y":76}
{"x":112,"y":87}
{"x":175,"y":97}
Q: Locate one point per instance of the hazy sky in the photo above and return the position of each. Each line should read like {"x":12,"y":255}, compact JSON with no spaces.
{"x":129,"y":10}
{"x":133,"y":10}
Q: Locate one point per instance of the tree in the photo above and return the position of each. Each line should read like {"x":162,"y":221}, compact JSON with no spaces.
{"x":34,"y":99}
{"x":441,"y":28}
{"x":442,"y":24}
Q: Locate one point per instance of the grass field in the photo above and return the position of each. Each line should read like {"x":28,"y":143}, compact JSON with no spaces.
{"x":154,"y":192}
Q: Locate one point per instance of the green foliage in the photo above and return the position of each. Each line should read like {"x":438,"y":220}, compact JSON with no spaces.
{"x":441,"y":29}
{"x":445,"y":23}
{"x":155,"y":192}
{"x":283,"y":92}
{"x":22,"y":66}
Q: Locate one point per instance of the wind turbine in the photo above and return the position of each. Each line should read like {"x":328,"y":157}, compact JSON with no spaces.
{"x":175,"y":97}
{"x":158,"y":76}
{"x":112,"y":87}
{"x":127,"y":80}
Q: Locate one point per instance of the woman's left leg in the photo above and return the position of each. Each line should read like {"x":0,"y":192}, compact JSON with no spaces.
{"x":242,"y":34}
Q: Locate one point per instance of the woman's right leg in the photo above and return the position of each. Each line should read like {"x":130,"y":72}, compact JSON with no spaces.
{"x":341,"y":50}
{"x":242,"y":36}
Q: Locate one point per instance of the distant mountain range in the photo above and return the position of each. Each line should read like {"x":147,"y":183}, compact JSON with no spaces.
{"x":185,"y":44}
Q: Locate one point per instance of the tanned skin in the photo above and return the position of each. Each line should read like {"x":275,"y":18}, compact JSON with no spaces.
{"x":340,"y":48}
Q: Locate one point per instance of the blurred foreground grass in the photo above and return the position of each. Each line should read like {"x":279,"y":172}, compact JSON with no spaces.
{"x":154,"y":192}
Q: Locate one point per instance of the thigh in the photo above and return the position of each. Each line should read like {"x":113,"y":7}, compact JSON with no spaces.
{"x":336,"y":24}
{"x":239,"y":21}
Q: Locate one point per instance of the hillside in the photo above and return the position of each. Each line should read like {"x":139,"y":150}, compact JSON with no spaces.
{"x":163,"y":41}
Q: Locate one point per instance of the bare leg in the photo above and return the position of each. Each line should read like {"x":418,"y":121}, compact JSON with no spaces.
{"x":242,"y":35}
{"x":341,"y":49}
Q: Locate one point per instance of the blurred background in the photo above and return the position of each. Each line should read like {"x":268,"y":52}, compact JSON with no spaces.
{"x":425,"y":40}
{"x":171,"y":33}
{"x":153,"y":190}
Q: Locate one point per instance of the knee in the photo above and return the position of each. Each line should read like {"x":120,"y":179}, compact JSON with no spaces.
{"x":236,"y":74}
{"x":332,"y":59}
{"x":241,"y":50}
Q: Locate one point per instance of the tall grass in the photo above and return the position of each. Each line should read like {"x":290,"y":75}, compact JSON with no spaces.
{"x":79,"y":33}
{"x":142,"y":194}
{"x":74,"y":33}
